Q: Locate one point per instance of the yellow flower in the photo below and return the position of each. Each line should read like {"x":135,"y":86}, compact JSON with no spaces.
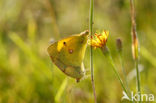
{"x":99,"y":40}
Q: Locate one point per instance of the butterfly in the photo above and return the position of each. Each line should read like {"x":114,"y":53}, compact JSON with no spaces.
{"x":68,"y":54}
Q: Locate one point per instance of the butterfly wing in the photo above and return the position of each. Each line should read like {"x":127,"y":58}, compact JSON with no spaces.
{"x":68,"y":53}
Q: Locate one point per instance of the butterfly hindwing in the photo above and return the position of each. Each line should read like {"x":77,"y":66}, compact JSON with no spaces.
{"x":67,"y":54}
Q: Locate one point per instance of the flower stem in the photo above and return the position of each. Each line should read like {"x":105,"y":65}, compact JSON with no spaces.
{"x":138,"y":79}
{"x":61,"y":90}
{"x":107,"y":53}
{"x":124,"y":73}
{"x":91,"y":48}
{"x":135,"y":46}
{"x":123,"y":70}
{"x":116,"y":73}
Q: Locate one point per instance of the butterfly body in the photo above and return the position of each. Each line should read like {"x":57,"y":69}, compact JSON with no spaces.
{"x":68,"y":54}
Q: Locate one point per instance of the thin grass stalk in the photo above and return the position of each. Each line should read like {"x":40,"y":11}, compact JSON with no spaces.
{"x":138,"y":80}
{"x":61,"y":90}
{"x":105,"y":50}
{"x":91,"y":48}
{"x":124,"y":72}
{"x":125,"y":77}
{"x":120,"y":53}
{"x":117,"y":74}
{"x":135,"y":46}
{"x":107,"y":53}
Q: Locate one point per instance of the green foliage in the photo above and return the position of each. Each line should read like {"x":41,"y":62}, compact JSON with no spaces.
{"x":27,"y":74}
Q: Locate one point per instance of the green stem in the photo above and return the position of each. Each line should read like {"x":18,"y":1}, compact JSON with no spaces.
{"x":91,"y":49}
{"x":135,"y":45}
{"x":123,"y":70}
{"x":116,"y":73}
{"x":61,"y":90}
{"x":138,"y":79}
{"x":107,"y":53}
{"x":124,"y":73}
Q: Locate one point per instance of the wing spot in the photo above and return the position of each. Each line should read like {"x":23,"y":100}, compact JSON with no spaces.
{"x":70,"y":51}
{"x":64,"y":43}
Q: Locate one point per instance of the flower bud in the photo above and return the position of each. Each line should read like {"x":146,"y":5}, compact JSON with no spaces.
{"x":119,"y":44}
{"x":135,"y":49}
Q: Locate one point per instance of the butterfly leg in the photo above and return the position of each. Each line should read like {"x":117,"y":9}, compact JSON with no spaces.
{"x":63,"y":70}
{"x":77,"y":80}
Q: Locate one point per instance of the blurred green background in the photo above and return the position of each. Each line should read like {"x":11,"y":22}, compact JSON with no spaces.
{"x":27,"y":74}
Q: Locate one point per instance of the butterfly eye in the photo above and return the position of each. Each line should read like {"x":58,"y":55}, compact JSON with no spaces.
{"x":64,"y":43}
